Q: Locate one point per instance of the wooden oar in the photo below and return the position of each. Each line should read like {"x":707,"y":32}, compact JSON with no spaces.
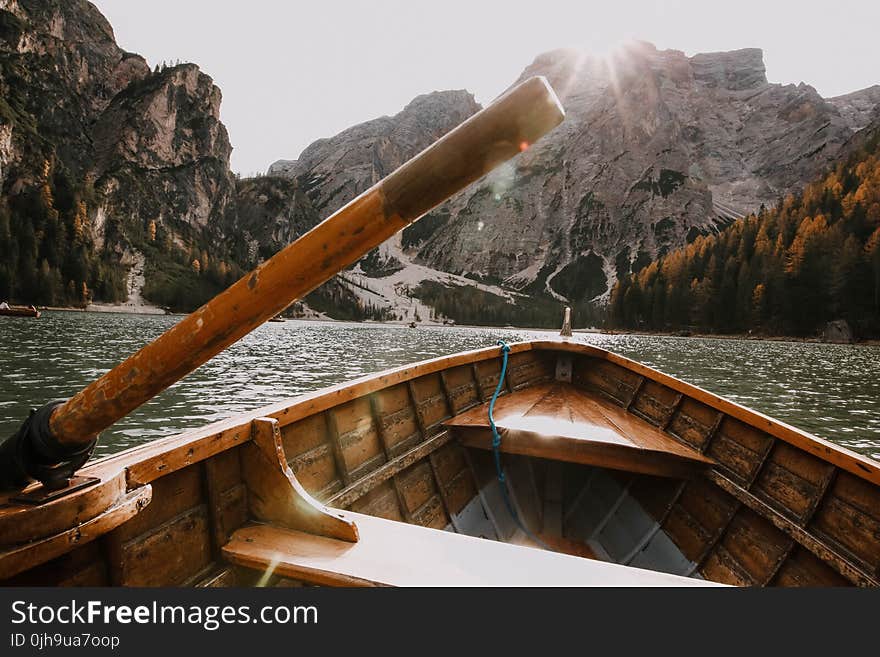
{"x":490,"y":137}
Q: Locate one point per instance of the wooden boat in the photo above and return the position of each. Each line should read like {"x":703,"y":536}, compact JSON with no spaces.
{"x":611,"y":473}
{"x":629,"y":476}
{"x":19,"y":311}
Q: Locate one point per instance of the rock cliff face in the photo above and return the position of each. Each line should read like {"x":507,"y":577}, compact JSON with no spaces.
{"x":162,"y":154}
{"x":141,"y":151}
{"x":60,"y":69}
{"x":656,"y":148}
{"x":859,"y":108}
{"x":331,"y":172}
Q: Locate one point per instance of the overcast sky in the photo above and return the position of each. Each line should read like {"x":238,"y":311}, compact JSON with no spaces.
{"x":294,"y":71}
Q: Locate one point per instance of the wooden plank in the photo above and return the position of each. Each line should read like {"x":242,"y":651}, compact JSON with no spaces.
{"x":21,"y":523}
{"x":416,"y":485}
{"x":461,"y":389}
{"x":710,"y":505}
{"x":756,"y":544}
{"x":854,"y":531}
{"x":18,"y":559}
{"x":383,"y":502}
{"x":850,"y":461}
{"x":672,"y":411}
{"x":559,"y":422}
{"x":174,"y":494}
{"x":693,"y":423}
{"x":721,"y":567}
{"x":414,"y":403}
{"x":441,"y":488}
{"x":803,"y":568}
{"x":82,"y":566}
{"x":843,"y":565}
{"x":335,"y":448}
{"x":654,"y":402}
{"x":361,"y":487}
{"x":718,"y":534}
{"x":444,"y":386}
{"x":275,"y":495}
{"x":460,"y":491}
{"x":170,"y":554}
{"x":223,"y":578}
{"x":428,"y":401}
{"x":688,"y":533}
{"x":480,"y":394}
{"x":316,"y":469}
{"x":396,"y":554}
{"x":304,"y":435}
{"x":165,"y":456}
{"x":635,"y":392}
{"x":784,"y":490}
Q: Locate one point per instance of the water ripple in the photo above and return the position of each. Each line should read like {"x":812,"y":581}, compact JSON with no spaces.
{"x":830,"y":390}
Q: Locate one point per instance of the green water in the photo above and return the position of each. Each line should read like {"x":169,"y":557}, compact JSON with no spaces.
{"x":832,"y":391}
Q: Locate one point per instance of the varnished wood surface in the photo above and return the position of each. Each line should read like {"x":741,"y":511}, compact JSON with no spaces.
{"x":20,"y":523}
{"x":858,"y":464}
{"x":275,"y":494}
{"x":18,"y":559}
{"x":559,"y":422}
{"x":397,"y":554}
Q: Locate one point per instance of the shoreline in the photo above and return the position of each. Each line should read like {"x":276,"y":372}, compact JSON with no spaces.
{"x":155,"y":310}
{"x":870,"y":342}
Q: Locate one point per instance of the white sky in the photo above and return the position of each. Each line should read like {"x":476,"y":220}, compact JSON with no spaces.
{"x":294,"y":71}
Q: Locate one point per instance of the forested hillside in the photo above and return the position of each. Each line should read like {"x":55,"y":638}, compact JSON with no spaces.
{"x":813,"y":258}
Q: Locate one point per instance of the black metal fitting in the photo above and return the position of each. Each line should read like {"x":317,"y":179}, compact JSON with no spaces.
{"x":33,"y":452}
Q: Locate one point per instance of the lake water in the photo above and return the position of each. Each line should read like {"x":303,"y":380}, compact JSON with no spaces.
{"x":832,"y":391}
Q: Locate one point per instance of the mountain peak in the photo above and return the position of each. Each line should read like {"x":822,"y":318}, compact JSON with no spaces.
{"x":735,"y":70}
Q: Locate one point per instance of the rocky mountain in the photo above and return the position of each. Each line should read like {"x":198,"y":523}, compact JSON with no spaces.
{"x":111,"y":173}
{"x":331,"y":172}
{"x":102,"y":160}
{"x":656,"y":148}
{"x":274,"y":210}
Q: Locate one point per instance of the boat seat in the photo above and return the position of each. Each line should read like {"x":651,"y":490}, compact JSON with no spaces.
{"x":561,"y":422}
{"x":391,"y":553}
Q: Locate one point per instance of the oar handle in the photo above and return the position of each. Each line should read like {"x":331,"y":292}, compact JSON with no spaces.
{"x":490,"y":137}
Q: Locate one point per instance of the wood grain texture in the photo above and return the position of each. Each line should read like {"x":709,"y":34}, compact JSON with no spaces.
{"x":396,"y":554}
{"x":561,"y":422}
{"x":18,"y":559}
{"x":275,"y":495}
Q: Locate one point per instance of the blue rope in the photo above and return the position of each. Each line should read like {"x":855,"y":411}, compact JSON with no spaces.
{"x":496,"y":449}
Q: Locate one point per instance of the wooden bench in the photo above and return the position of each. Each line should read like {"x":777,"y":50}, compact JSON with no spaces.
{"x":561,"y":422}
{"x":391,"y":553}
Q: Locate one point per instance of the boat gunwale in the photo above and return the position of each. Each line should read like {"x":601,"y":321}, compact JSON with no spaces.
{"x":150,"y":461}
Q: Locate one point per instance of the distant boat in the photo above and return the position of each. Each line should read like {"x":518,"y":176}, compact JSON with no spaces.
{"x":277,"y":318}
{"x":20,"y":311}
{"x":412,"y":324}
